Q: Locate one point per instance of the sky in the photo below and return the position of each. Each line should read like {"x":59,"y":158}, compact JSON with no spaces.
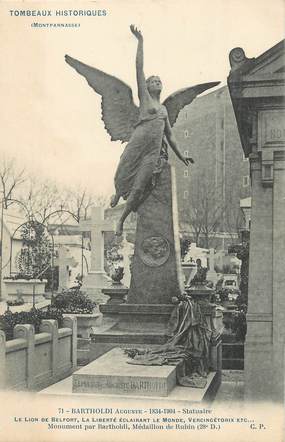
{"x":50,"y":117}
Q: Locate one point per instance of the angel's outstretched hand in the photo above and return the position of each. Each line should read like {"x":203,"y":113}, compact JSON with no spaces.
{"x":187,"y":160}
{"x":137,"y":33}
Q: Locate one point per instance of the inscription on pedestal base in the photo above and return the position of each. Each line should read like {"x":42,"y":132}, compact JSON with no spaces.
{"x":111,"y":374}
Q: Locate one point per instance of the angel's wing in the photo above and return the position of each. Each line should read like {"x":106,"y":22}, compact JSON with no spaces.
{"x":119,"y":112}
{"x":176,"y":101}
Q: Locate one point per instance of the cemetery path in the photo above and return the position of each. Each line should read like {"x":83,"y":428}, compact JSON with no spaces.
{"x":231,"y":390}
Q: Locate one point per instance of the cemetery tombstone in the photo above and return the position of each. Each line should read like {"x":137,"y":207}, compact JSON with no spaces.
{"x":97,"y":225}
{"x":64,"y":261}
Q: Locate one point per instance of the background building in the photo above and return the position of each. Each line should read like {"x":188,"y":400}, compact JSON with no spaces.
{"x":209,"y":191}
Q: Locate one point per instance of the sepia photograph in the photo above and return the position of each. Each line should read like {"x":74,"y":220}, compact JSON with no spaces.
{"x":142,"y":234}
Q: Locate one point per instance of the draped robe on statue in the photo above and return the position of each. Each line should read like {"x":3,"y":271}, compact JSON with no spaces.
{"x":189,"y":343}
{"x":140,"y":160}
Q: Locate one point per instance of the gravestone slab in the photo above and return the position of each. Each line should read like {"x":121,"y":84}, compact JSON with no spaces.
{"x":111,"y":374}
{"x":156,"y":267}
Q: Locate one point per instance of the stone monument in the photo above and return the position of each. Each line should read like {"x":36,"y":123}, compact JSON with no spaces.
{"x":146,"y":181}
{"x":156,"y":268}
{"x":156,"y":273}
{"x":257,"y":91}
{"x":64,"y":261}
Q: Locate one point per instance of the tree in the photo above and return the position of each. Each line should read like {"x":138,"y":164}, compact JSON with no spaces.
{"x":42,"y":200}
{"x":11,"y":178}
{"x":79,"y":201}
{"x":233,"y":218}
{"x":206,"y":211}
{"x":49,"y":202}
{"x":41,"y":197}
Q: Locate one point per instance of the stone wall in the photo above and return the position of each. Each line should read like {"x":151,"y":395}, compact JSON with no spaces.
{"x":33,"y":361}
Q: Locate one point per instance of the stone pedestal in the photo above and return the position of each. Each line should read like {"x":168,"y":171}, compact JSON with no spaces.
{"x":138,"y":325}
{"x":201,"y":293}
{"x":257,"y":91}
{"x":85,"y":323}
{"x":117,"y":293}
{"x":214,"y":319}
{"x":93,"y":284}
{"x":156,"y":266}
{"x":131,"y":325}
{"x":138,"y":318}
{"x":156,"y":278}
{"x":156,"y":275}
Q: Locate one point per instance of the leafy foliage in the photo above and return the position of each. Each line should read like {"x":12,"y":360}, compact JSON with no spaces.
{"x":34,"y":317}
{"x":117,"y":274}
{"x":73,"y":301}
{"x":35,"y":255}
{"x":15,"y":302}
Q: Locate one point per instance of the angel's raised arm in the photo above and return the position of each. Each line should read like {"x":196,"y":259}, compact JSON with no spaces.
{"x":139,"y":63}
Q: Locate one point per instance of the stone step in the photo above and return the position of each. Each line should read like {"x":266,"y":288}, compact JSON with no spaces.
{"x":233,"y":364}
{"x":233,"y":356}
{"x":233,"y":351}
{"x":126,"y":337}
{"x":229,"y":337}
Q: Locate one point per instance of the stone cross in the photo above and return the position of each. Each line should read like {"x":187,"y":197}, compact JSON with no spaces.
{"x":97,"y":226}
{"x":64,"y":261}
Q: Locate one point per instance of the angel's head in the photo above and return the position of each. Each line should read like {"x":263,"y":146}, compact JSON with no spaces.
{"x":154,"y":84}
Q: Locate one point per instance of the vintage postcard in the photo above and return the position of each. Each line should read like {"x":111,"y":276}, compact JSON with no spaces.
{"x":142,"y":220}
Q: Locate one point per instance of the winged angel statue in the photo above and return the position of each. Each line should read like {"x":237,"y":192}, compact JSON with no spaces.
{"x":147,"y":128}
